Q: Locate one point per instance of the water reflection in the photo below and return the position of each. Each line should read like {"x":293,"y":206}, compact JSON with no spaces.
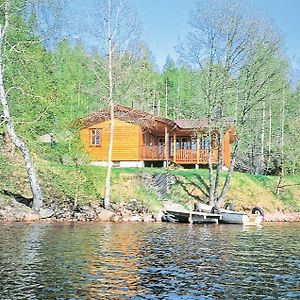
{"x":149,"y":261}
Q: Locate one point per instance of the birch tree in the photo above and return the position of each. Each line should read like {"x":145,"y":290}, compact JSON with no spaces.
{"x":232,"y":51}
{"x":118,"y":35}
{"x":7,"y":9}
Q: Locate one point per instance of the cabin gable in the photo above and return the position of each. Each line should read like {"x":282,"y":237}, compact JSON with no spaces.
{"x":126,"y":144}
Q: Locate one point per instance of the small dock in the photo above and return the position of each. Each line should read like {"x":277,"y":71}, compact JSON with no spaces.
{"x":193,"y":217}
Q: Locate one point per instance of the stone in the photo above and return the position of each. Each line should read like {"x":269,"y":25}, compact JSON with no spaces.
{"x":30,"y":217}
{"x":86,"y":208}
{"x":10,"y":219}
{"x":116,"y":218}
{"x":46,"y":213}
{"x":135,"y":219}
{"x":159,"y":216}
{"x":19,"y":216}
{"x":80,"y":217}
{"x":147,"y":218}
{"x":105,"y":215}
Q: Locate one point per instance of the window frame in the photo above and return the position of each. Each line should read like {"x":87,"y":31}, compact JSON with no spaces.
{"x":93,"y":137}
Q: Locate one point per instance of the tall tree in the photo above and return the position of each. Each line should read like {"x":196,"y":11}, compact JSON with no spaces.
{"x":232,"y":51}
{"x":118,"y":36}
{"x":8,"y":9}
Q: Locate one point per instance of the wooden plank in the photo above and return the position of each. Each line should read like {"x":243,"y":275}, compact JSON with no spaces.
{"x":174,"y":145}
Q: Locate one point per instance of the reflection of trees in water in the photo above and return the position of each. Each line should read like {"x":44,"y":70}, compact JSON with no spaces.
{"x":115,"y":261}
{"x":60,"y":260}
{"x":115,"y":271}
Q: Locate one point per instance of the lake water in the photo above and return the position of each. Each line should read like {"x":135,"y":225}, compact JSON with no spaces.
{"x":149,"y":261}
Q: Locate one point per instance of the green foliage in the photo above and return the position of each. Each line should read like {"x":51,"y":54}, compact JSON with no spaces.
{"x":49,"y":90}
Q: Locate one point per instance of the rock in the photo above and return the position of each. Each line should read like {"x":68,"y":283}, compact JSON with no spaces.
{"x":105,"y":215}
{"x":89,"y":212}
{"x":30,"y":217}
{"x":135,"y":219}
{"x":97,"y":208}
{"x":10,"y":219}
{"x":19,"y":217}
{"x":80,"y":217}
{"x":116,"y":218}
{"x":148,"y":218}
{"x":126,"y":213}
{"x":46,"y":213}
{"x":159,"y":216}
{"x":86,"y":208}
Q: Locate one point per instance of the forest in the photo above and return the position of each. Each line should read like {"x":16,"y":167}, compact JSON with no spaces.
{"x":234,"y":69}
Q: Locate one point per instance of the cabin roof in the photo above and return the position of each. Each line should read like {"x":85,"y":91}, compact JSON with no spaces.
{"x":201,"y":123}
{"x":144,"y":119}
{"x":147,"y":121}
{"x":190,"y":124}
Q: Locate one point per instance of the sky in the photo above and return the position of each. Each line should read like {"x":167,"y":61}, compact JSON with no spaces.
{"x":164,"y":21}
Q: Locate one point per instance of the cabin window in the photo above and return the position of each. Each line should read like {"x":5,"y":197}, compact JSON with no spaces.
{"x":161,"y":141}
{"x":194,"y":144}
{"x":205,"y":141}
{"x":185,"y":143}
{"x":95,"y":137}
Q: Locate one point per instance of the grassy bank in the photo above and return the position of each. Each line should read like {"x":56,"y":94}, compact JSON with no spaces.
{"x":85,"y":184}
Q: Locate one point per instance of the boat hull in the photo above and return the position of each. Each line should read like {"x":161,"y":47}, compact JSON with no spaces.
{"x":240,"y":218}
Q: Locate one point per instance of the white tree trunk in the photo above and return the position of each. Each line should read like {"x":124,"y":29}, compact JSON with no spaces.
{"x":282,"y":133}
{"x":210,"y":167}
{"x":219,"y":141}
{"x":229,"y":174}
{"x":34,"y":184}
{"x":107,"y":204}
{"x":262,"y":139}
{"x":270,"y":138}
{"x":32,"y":176}
{"x":166,"y":96}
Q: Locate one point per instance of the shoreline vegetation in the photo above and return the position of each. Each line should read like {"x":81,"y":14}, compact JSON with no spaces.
{"x":75,"y":193}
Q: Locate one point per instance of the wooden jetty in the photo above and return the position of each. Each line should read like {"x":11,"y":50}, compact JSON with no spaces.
{"x":193,"y":217}
{"x":225,"y":216}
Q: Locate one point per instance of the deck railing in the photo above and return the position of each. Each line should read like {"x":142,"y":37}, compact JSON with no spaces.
{"x":156,"y":152}
{"x":186,"y":156}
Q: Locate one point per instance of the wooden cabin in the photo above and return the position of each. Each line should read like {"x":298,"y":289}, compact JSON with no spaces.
{"x":143,"y":139}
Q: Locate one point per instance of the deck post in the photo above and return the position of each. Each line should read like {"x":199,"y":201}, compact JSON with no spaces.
{"x":174,"y":149}
{"x":198,"y":150}
{"x":166,"y":144}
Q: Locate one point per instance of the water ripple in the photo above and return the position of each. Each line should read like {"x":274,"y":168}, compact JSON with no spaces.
{"x":149,"y":261}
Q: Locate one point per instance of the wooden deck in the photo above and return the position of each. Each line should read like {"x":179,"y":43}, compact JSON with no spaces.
{"x":226,"y":217}
{"x":182,"y":156}
{"x":195,"y":217}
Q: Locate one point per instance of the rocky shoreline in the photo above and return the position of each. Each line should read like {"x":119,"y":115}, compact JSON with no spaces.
{"x":13,"y":211}
{"x":280,"y":216}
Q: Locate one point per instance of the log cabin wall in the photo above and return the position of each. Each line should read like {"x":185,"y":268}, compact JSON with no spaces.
{"x":127,"y":140}
{"x":226,"y":149}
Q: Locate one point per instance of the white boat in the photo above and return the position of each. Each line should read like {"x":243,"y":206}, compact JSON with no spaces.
{"x":232,"y":217}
